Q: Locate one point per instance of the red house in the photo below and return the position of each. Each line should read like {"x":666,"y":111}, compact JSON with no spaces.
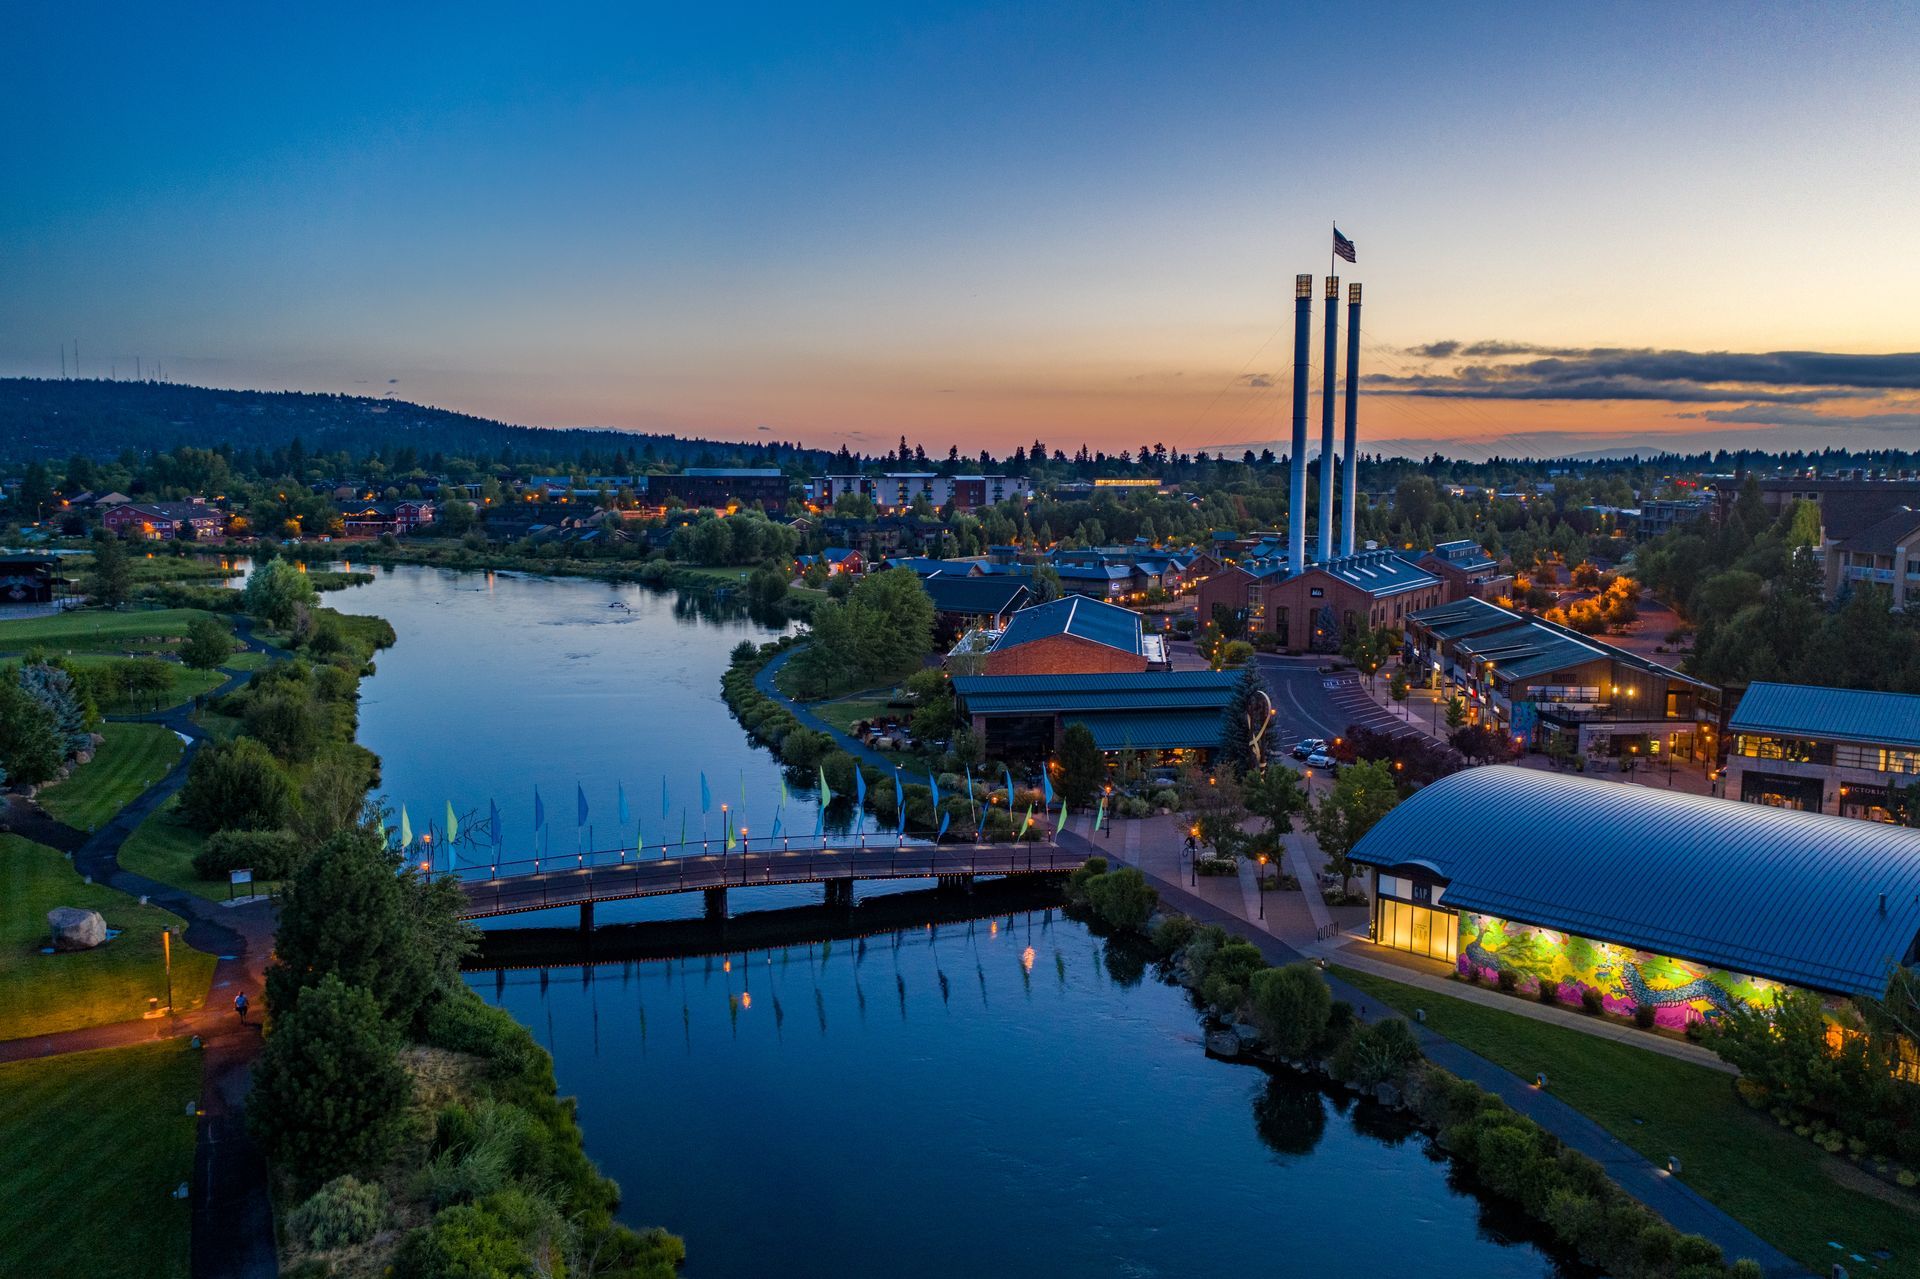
{"x":163,"y":521}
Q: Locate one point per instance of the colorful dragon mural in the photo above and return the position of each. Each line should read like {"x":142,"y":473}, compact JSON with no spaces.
{"x":1677,"y":991}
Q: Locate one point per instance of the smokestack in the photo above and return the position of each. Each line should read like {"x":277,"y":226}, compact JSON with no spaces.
{"x":1327,"y":379}
{"x":1349,"y":474}
{"x":1297,"y":494}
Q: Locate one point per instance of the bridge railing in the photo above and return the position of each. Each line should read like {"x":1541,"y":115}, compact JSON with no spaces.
{"x":573,"y":885}
{"x":470,"y":863}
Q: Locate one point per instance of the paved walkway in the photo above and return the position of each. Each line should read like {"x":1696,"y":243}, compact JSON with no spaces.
{"x":763,"y":681}
{"x":232,"y":1210}
{"x":1145,"y":844}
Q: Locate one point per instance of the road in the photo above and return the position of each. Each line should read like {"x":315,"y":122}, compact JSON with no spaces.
{"x":1309,"y":703}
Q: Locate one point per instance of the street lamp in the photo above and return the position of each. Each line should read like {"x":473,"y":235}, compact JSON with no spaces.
{"x":1260,"y":884}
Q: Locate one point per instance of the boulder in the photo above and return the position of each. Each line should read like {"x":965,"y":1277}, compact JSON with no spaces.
{"x":1386,"y":1095}
{"x":76,"y":929}
{"x":1223,"y":1043}
{"x":1248,"y":1034}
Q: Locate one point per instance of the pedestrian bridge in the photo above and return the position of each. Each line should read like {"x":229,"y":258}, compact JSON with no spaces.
{"x":585,"y":879}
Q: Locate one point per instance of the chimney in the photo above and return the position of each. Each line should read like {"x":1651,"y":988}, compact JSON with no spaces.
{"x":1327,"y":380}
{"x":1297,"y":492}
{"x":1349,"y":475}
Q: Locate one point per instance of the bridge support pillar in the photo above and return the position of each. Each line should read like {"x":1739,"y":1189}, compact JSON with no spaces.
{"x":955,"y":883}
{"x":586,"y":917}
{"x":716,"y":904}
{"x":839,"y":893}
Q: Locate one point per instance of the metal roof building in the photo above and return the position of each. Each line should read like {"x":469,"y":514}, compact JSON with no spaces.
{"x":1150,"y":711}
{"x":1829,"y":714}
{"x":1822,"y":902}
{"x":1078,"y":616}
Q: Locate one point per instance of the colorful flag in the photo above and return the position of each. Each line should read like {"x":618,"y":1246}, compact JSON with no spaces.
{"x":1027,"y":825}
{"x":706,"y":796}
{"x":942,"y":833}
{"x":1343,"y":247}
{"x":933,"y":785}
{"x":579,"y":805}
{"x":728,"y":823}
{"x":683,"y":828}
{"x":626,"y":818}
{"x":859,"y":787}
{"x":969,"y":785}
{"x":1009,"y":773}
{"x":453,"y":824}
{"x":776,"y":827}
{"x":783,"y":788}
{"x":826,"y":791}
{"x":1100,"y":814}
{"x":406,"y":828}
{"x":900,"y":801}
{"x":1046,"y":787}
{"x":539,"y":811}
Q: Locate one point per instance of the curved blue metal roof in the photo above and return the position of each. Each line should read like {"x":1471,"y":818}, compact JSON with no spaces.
{"x":1764,"y":891}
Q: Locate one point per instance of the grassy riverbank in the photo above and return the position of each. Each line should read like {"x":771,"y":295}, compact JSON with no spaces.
{"x":1760,"y":1173}
{"x":133,"y":757}
{"x":97,"y":1142}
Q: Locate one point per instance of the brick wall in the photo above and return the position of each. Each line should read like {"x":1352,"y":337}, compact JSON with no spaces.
{"x":1062,"y":655}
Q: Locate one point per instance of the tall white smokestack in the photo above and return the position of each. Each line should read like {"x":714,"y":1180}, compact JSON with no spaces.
{"x":1328,"y":378}
{"x":1297,"y":493}
{"x":1349,"y":476}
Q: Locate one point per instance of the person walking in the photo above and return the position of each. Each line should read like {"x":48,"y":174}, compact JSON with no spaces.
{"x":240,"y":1004}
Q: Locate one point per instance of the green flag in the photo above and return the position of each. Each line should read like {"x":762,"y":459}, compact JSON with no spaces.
{"x":728,"y":822}
{"x":1027,"y":825}
{"x":406,"y":828}
{"x":453,"y":824}
{"x":826,"y":791}
{"x":1100,"y":816}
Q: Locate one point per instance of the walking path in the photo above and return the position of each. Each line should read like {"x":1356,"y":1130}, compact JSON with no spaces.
{"x":763,"y":681}
{"x":232,"y":1210}
{"x":1154,"y":846}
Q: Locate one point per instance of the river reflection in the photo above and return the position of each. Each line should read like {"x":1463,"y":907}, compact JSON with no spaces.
{"x":1008,"y":1095}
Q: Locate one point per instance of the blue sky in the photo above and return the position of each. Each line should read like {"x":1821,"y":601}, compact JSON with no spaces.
{"x":965,"y":223}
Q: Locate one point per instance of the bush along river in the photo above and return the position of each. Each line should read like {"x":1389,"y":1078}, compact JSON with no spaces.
{"x":1006,"y":1093}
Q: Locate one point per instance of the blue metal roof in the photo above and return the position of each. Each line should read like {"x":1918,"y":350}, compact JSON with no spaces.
{"x":1076,"y":615}
{"x":1379,"y":573}
{"x":1076,"y":694}
{"x":1764,"y":891}
{"x":1833,"y":714}
{"x":977,"y":596}
{"x":1155,"y":730}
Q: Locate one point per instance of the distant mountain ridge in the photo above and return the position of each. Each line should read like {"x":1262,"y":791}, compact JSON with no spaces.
{"x":44,"y":419}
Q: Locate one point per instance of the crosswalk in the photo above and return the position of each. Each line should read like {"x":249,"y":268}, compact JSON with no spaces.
{"x":1349,"y":699}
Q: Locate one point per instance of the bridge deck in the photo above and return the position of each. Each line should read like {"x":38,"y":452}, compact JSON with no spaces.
{"x":574,"y":885}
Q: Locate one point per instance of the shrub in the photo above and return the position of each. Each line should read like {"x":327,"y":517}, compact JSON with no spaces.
{"x":462,"y":1241}
{"x":1549,"y":992}
{"x":1508,"y":981}
{"x":1591,"y":1002}
{"x":269,"y":854}
{"x":1173,"y":933}
{"x":1643,"y":1016}
{"x":1123,"y":899}
{"x":328,"y":1091}
{"x":344,"y":1212}
{"x":1377,"y":1053}
{"x":1290,"y":1006}
{"x":236,"y":785}
{"x":1226,"y":972}
{"x":743,"y":652}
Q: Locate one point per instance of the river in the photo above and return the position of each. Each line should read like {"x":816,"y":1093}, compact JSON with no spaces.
{"x":996,"y":1095}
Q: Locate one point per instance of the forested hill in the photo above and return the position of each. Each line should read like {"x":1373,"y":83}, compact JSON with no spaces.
{"x":43,"y":419}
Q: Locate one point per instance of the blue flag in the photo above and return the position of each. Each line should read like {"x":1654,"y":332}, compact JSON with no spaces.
{"x":539,"y":811}
{"x":934,"y":786}
{"x":1046,"y":787}
{"x":969,"y":784}
{"x":776,"y":826}
{"x":706,"y":796}
{"x":626,"y":818}
{"x":580,"y":805}
{"x":859,"y":787}
{"x":900,"y":800}
{"x":1009,"y":773}
{"x":944,"y":819}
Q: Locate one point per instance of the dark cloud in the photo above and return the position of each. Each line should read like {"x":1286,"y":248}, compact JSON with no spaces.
{"x":1256,"y":380}
{"x":1786,"y":415}
{"x":1620,"y":373}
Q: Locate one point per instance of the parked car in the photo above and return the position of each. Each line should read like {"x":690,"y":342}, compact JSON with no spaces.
{"x":1320,"y":759}
{"x":1307,"y":746}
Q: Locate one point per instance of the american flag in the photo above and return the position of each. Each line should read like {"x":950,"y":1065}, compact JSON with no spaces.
{"x":1342,"y":246}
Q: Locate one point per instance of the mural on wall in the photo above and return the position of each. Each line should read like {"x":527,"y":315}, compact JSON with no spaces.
{"x":1677,"y":991}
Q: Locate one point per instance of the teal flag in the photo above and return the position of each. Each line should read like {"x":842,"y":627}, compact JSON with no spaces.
{"x":826,"y":791}
{"x":1046,"y":787}
{"x":934,"y":786}
{"x":706,"y":796}
{"x":406,"y":828}
{"x":453,"y":824}
{"x":900,"y":801}
{"x":859,"y":786}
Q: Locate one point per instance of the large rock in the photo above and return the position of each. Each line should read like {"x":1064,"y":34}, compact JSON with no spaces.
{"x":76,"y":929}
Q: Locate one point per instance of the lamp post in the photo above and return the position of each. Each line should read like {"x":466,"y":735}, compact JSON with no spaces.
{"x":166,"y":951}
{"x":1106,"y":819}
{"x":1260,"y":885}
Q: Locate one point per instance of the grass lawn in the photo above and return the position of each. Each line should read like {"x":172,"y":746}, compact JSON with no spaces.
{"x":1780,"y":1186}
{"x":100,"y":631}
{"x":110,"y":983}
{"x":96,"y":1143}
{"x":163,"y":847}
{"x":841,"y":714}
{"x":247,"y":660}
{"x":719,"y":575}
{"x":134,"y":757}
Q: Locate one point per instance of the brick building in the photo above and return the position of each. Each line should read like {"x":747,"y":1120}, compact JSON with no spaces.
{"x":1073,"y":635}
{"x":1315,"y":610}
{"x":1466,"y":571}
{"x":164,"y":521}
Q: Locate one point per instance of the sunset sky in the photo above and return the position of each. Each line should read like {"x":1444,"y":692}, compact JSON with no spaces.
{"x":1578,"y":226}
